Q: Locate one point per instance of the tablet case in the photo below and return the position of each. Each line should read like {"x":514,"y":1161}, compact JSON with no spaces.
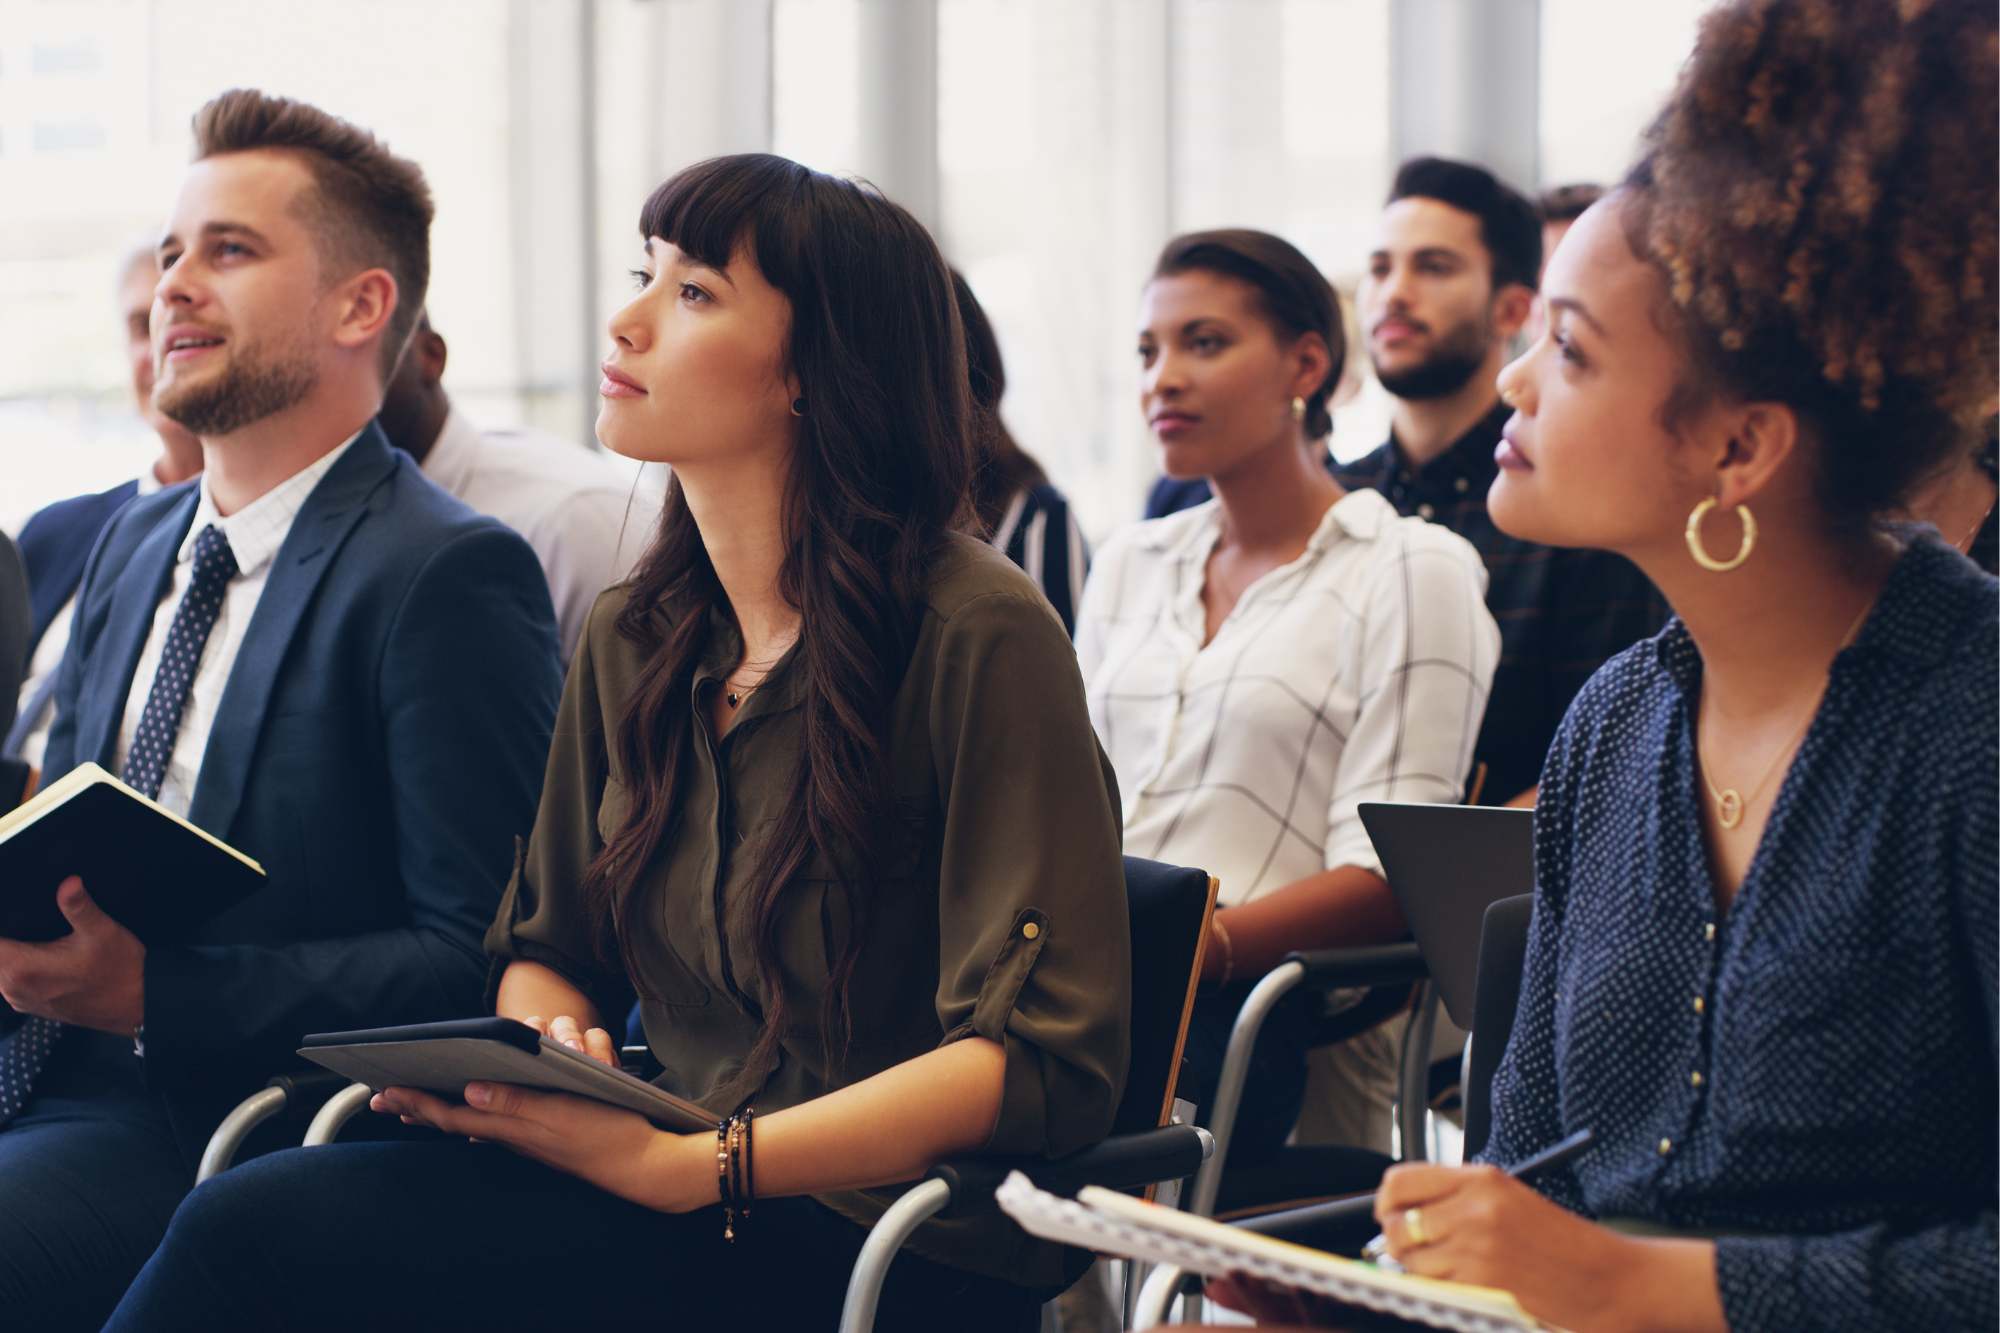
{"x":443,"y":1057}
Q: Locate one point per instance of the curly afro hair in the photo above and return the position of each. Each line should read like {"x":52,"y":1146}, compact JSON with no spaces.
{"x":1820,"y":193}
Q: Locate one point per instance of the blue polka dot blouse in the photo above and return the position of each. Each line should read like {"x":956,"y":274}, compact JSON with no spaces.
{"x":1812,"y":1077}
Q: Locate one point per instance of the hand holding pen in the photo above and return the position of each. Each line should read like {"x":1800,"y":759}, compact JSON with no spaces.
{"x":1558,"y":1154}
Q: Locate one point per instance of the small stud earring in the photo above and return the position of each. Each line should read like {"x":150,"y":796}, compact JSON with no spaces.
{"x":1298,"y":409}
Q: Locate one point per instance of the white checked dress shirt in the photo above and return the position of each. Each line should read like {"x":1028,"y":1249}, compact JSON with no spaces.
{"x":582,"y":514}
{"x":1357,"y":672}
{"x":255,"y":533}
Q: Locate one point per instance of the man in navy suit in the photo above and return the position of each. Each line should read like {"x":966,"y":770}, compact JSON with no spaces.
{"x":57,"y":540}
{"x":313,"y":653}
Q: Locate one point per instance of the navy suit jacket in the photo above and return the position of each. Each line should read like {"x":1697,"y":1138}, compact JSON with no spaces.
{"x":379,"y":746}
{"x":55,"y":545}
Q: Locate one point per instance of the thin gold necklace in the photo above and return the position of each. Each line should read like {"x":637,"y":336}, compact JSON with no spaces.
{"x":1729,"y":806}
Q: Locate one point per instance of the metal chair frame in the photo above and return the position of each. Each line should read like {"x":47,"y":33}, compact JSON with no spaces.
{"x":1171,"y":1152}
{"x":1501,"y":937}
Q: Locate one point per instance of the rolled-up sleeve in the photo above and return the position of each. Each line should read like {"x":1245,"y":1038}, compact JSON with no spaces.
{"x":542,"y":918}
{"x":1035,"y":950}
{"x":1427,"y":662}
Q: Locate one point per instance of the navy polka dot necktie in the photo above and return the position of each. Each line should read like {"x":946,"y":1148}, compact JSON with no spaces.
{"x":24,"y":1054}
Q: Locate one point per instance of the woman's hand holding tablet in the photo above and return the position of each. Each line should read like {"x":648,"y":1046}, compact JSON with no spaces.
{"x":618,"y":1151}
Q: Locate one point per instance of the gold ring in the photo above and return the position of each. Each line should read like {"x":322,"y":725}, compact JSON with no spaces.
{"x":1413,"y":1227}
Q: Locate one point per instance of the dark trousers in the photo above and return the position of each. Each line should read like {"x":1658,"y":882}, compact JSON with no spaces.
{"x":1276,"y":1086}
{"x":465,"y":1235}
{"x":89,"y":1177}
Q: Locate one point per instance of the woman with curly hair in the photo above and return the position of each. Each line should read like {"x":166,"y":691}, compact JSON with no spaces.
{"x":1761,"y":965}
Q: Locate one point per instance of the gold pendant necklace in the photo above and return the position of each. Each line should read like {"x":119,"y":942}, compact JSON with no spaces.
{"x":1729,"y":805}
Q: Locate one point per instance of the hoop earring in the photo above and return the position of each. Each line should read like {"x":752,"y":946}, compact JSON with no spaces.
{"x":1701,"y":556}
{"x":798,"y":407}
{"x":1298,"y":409}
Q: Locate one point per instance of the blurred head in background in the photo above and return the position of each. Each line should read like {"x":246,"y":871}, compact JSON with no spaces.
{"x":138,"y":275}
{"x":1558,"y":208}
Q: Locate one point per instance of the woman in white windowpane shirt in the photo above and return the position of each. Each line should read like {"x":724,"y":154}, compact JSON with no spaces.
{"x":1260,"y":664}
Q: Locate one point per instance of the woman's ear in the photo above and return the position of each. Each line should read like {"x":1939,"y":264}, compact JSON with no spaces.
{"x":1761,"y":438}
{"x":1311,"y":360}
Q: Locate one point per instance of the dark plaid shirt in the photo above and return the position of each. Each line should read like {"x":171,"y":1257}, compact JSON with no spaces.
{"x":1562,"y":613}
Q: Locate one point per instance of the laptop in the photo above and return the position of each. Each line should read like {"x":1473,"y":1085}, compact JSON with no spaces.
{"x":1446,"y":864}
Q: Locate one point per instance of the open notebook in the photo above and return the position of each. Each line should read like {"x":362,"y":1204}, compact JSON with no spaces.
{"x":1113,"y":1223}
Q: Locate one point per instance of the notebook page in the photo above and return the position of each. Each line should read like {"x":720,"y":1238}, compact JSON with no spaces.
{"x":1106,"y":1221}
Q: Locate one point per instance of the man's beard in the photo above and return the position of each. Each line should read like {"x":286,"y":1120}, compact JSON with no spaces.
{"x":247,"y":391}
{"x":1454,"y":361}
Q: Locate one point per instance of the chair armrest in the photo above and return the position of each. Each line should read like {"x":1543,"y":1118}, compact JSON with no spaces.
{"x":1369,"y":965}
{"x":1123,"y":1162}
{"x":307,"y":1089}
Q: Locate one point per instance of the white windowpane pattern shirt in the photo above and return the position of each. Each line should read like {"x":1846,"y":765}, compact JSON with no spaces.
{"x":1357,"y":672}
{"x":255,"y":533}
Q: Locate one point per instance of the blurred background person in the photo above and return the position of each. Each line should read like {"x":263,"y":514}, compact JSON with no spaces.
{"x":1260,"y":664}
{"x":56,"y":542}
{"x":1959,"y":501}
{"x":1016,"y":508}
{"x":571,"y":504}
{"x":1448,"y":287}
{"x":14,"y":626}
{"x":1558,"y":208}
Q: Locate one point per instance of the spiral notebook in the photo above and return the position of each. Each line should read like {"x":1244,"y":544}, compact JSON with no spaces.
{"x":1113,"y":1223}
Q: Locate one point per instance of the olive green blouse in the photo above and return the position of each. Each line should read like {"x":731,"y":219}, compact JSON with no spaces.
{"x":1000,"y":912}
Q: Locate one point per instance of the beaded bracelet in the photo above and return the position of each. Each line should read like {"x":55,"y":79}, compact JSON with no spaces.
{"x":734,"y":1171}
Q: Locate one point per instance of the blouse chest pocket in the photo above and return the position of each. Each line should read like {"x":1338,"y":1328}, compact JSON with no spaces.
{"x":668,"y":925}
{"x":612,"y":808}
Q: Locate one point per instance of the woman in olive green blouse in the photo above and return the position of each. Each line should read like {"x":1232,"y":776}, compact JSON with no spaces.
{"x":823,"y":795}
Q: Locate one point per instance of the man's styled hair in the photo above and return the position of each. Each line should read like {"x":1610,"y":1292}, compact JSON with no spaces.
{"x":1508,"y":223}
{"x":1295,"y":296}
{"x":1566,"y":203}
{"x":368,"y":207}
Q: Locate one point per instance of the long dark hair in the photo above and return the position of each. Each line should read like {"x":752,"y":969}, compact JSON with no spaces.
{"x":878,"y":480}
{"x":1005,"y":468}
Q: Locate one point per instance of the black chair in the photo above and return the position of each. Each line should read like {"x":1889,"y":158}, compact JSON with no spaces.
{"x":1388,"y":971}
{"x":1152,"y":1141}
{"x":1345,"y":1225}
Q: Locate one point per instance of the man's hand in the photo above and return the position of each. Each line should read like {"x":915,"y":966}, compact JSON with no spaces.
{"x":94,"y":977}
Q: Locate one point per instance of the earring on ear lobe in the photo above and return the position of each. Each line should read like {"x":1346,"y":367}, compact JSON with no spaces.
{"x":798,"y":407}
{"x":1701,"y":555}
{"x":1298,"y":409}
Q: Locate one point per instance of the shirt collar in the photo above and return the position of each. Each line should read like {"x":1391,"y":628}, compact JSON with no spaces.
{"x":1470,"y":457}
{"x":783,"y":686}
{"x":258,"y":529}
{"x":1359,"y":514}
{"x":454,"y":453}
